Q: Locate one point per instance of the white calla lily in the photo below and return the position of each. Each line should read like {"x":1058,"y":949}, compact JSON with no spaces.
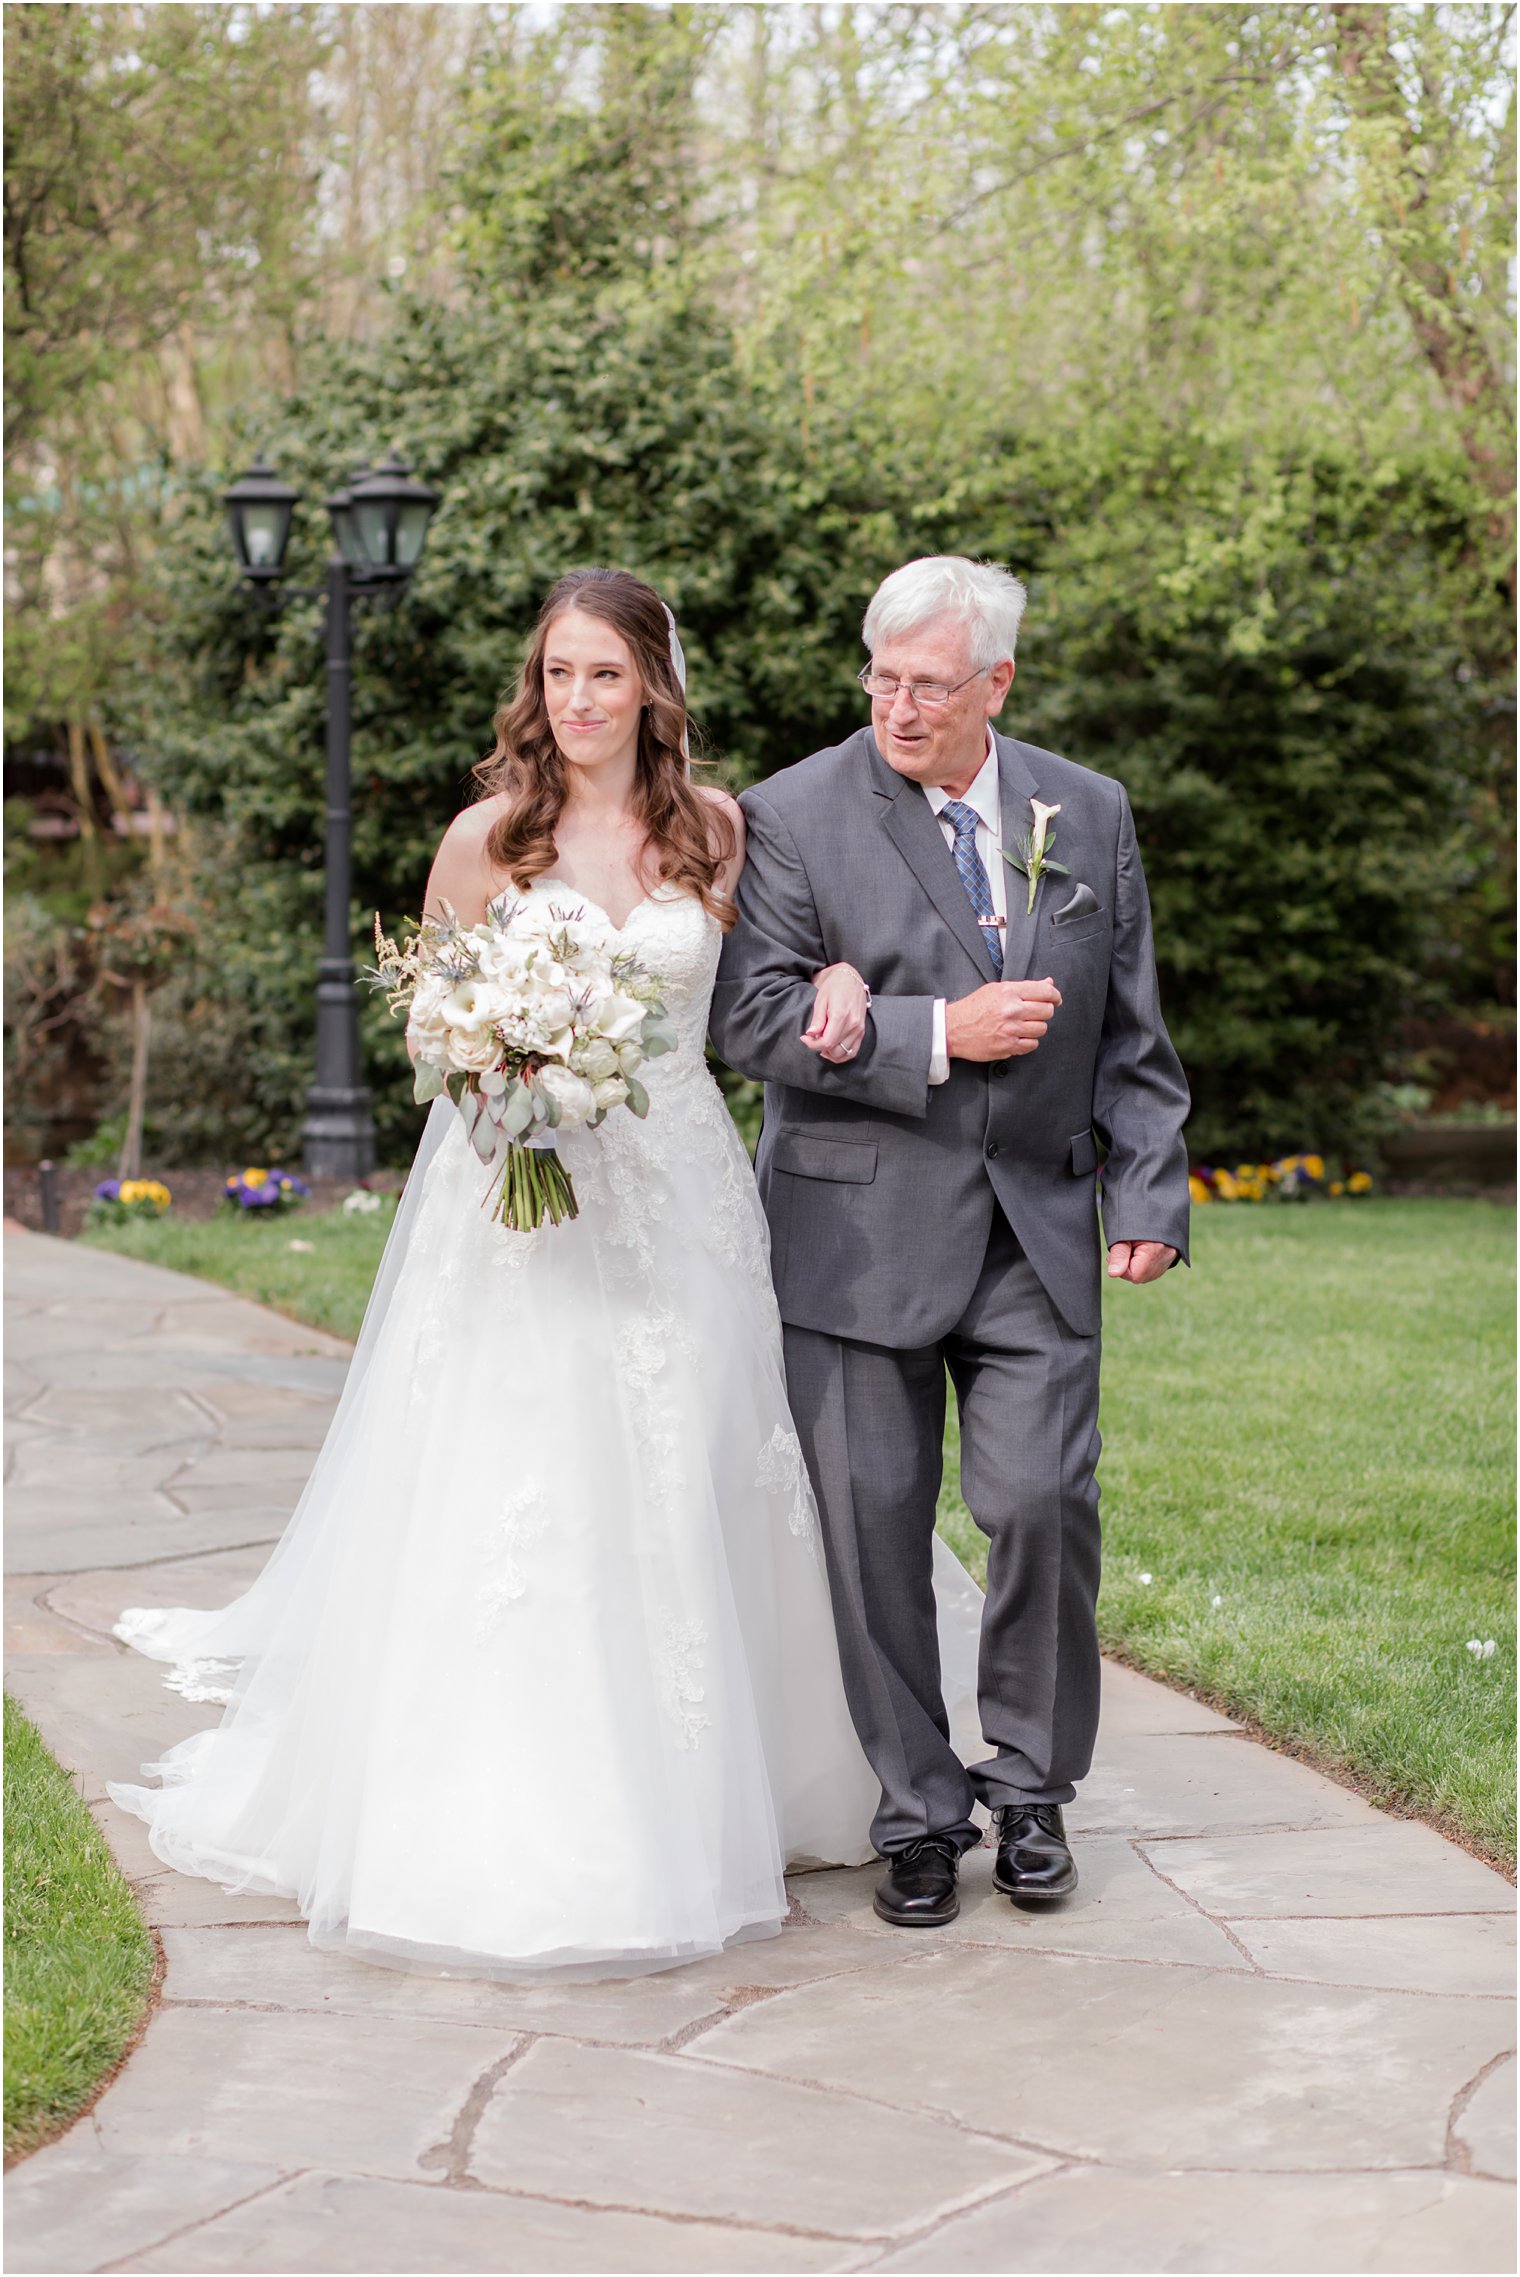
{"x":1043,"y":817}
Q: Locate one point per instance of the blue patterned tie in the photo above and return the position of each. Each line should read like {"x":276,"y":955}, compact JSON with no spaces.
{"x":963,"y":820}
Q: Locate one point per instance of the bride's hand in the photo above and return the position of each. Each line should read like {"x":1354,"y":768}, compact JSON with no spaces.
{"x":838,"y":1025}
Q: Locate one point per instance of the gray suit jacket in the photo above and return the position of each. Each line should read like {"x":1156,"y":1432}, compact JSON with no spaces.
{"x":879,"y":1188}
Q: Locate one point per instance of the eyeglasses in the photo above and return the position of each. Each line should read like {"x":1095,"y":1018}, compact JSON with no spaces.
{"x":923,"y":693}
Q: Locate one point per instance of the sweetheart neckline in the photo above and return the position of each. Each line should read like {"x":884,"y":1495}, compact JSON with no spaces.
{"x":642,"y":903}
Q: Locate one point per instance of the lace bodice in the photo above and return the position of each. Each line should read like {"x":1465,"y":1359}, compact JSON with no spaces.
{"x":682,"y":1167}
{"x":671,"y":933}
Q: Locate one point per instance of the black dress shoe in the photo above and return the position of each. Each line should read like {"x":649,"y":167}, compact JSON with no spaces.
{"x":919,"y":1891}
{"x":1034,"y":1864}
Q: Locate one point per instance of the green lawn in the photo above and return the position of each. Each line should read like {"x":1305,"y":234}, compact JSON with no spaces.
{"x":1312,"y":1426}
{"x":78,"y":1957}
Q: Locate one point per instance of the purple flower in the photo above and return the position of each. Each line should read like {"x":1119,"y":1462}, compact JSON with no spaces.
{"x":260,"y":1189}
{"x":109,"y":1190}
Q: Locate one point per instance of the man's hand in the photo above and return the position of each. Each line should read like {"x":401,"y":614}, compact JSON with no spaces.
{"x":1139,"y":1261}
{"x":1004,"y":1020}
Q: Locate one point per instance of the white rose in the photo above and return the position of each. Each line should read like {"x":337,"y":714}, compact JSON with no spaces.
{"x":552,"y":1010}
{"x":596,"y":1059}
{"x":630,"y":1057}
{"x":505,"y":960}
{"x":611,"y":1092}
{"x":477,"y":1050}
{"x":572,"y":1095}
{"x":427,"y":1030}
{"x":620,"y":1019}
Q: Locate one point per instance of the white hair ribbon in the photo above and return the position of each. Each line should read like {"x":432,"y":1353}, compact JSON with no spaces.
{"x":678,"y":666}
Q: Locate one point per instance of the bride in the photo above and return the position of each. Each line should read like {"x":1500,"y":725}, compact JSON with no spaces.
{"x":542,"y":1677}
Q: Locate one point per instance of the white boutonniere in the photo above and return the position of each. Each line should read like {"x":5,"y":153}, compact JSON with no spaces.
{"x":1034,"y":857}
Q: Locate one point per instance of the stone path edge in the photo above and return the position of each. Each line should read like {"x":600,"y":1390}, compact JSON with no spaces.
{"x":1380,"y":1797}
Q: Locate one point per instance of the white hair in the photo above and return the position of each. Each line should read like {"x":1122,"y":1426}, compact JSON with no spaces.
{"x":981,"y":595}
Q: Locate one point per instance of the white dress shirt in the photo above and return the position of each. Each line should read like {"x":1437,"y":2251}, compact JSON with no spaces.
{"x":985,"y":796}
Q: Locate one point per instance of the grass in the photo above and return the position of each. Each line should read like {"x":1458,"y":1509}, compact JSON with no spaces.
{"x":79,"y":1960}
{"x":1312,"y":1426}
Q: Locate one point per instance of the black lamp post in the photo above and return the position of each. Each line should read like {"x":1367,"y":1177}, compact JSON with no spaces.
{"x":380,"y":523}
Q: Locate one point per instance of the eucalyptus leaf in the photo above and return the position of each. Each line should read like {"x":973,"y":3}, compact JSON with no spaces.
{"x":638,"y":1097}
{"x":518,"y":1111}
{"x":427,"y":1081}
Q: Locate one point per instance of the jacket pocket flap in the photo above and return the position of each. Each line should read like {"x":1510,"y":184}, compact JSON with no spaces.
{"x":1084,"y":1155}
{"x":852,"y":1162}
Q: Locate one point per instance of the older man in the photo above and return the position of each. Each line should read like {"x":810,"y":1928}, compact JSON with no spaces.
{"x":931,"y":1199}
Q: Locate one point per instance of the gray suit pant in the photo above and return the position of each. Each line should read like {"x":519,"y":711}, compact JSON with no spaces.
{"x":871,"y":1419}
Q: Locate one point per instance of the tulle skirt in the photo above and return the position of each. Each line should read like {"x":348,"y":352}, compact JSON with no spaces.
{"x":542,"y":1679}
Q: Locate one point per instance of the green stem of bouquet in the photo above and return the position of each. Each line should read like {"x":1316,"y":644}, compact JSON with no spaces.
{"x":534,"y":1185}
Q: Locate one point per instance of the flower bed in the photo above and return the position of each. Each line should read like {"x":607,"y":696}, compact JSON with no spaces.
{"x":115,"y":1199}
{"x":260,"y":1189}
{"x":1295,"y":1178}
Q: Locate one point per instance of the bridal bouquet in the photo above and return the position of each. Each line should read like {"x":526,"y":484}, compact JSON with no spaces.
{"x":533,"y":1023}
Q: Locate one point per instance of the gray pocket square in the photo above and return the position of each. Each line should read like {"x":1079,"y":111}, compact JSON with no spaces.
{"x":1083,"y":903}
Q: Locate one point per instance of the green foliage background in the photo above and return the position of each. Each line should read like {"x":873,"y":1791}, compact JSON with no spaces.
{"x":1272,"y":597}
{"x":1248,"y":646}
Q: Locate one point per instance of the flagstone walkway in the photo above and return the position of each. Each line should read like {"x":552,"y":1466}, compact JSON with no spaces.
{"x":1271,"y":2032}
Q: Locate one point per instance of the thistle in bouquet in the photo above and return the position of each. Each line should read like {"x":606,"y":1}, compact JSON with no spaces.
{"x":534,"y":1022}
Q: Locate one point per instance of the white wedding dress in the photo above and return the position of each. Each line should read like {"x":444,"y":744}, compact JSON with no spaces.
{"x":542,"y":1678}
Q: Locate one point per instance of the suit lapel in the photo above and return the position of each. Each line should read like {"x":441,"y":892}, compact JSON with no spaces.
{"x":912,"y":825}
{"x":1016,"y":786}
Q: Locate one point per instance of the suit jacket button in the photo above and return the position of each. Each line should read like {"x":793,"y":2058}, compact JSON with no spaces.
{"x":992,"y":1147}
{"x":1000,"y":1067}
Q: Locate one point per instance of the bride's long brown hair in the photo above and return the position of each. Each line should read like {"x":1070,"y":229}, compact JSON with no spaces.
{"x":691,"y":836}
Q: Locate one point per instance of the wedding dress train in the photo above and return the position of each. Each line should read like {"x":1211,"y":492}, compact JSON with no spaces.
{"x":542,"y":1677}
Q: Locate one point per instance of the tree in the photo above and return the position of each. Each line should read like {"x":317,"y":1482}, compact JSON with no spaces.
{"x":1418,"y":87}
{"x":760,"y":303}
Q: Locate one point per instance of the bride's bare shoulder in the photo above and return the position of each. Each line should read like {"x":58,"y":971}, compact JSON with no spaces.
{"x":463,"y":874}
{"x":473,"y":824}
{"x":727,"y":843}
{"x":722,"y":803}
{"x":721,"y":799}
